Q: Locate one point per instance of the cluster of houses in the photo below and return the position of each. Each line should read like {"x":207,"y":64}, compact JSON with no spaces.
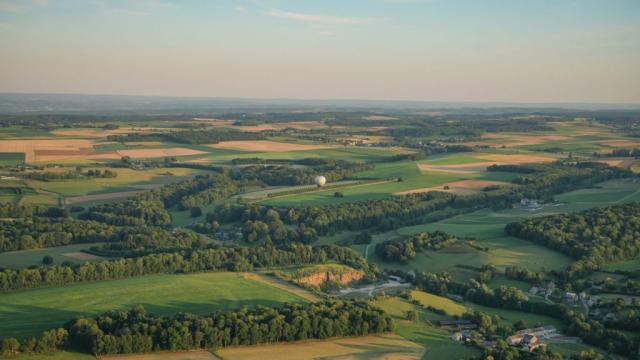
{"x":530,"y":339}
{"x":526,"y":340}
{"x":465,"y":332}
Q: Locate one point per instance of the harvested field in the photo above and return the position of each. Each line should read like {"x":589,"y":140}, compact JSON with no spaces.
{"x":81,"y":256}
{"x":620,"y":143}
{"x":181,"y":355}
{"x":267,"y":146}
{"x":388,"y":346}
{"x":97,"y":197}
{"x":53,"y":149}
{"x":464,"y":187}
{"x":151,"y":153}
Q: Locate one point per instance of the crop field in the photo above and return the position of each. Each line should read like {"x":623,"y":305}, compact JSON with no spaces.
{"x":11,"y":158}
{"x":388,"y":346}
{"x":30,"y":311}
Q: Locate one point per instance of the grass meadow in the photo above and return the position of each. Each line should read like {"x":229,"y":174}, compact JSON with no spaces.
{"x":28,"y":312}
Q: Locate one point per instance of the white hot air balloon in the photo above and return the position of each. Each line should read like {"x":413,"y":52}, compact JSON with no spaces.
{"x":320,"y":181}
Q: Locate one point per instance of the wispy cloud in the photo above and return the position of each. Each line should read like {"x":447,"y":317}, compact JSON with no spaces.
{"x":318,"y":19}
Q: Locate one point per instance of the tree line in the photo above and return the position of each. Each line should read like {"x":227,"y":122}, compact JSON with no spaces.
{"x":136,"y":331}
{"x":187,"y":261}
{"x":592,"y":237}
{"x":190,"y":136}
{"x":276,"y":173}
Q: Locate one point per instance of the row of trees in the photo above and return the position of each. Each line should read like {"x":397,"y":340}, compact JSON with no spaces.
{"x":137,"y":331}
{"x":39,"y":232}
{"x":68,"y":175}
{"x":593,"y":237}
{"x":279,"y":175}
{"x":405,"y":249}
{"x":190,"y":136}
{"x":188,"y":261}
{"x":542,"y":181}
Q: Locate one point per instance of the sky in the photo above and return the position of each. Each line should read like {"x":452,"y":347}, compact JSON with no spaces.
{"x":431,"y":50}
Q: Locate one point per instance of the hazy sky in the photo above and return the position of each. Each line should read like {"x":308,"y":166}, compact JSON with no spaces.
{"x":438,"y":50}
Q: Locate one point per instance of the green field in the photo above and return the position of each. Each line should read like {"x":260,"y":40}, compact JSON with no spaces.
{"x":25,"y":258}
{"x":26,"y":313}
{"x":629,"y":265}
{"x":11,"y":158}
{"x":411,"y":176}
{"x":487,"y":227}
{"x":126,"y":180}
{"x":438,"y":302}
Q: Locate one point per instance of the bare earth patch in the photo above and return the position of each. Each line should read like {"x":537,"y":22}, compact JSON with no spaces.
{"x":267,"y":146}
{"x":182,"y":355}
{"x":97,"y":197}
{"x":150,"y":153}
{"x":81,"y":256}
{"x":387,"y":346}
{"x":464,"y":187}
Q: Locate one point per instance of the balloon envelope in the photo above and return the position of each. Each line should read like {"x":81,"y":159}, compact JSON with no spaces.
{"x":320,"y":180}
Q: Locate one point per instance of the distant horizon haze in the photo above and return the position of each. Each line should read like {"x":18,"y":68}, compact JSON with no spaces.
{"x":496,"y":51}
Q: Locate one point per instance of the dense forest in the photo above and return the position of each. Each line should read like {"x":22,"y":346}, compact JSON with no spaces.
{"x":402,"y":250}
{"x":150,"y":208}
